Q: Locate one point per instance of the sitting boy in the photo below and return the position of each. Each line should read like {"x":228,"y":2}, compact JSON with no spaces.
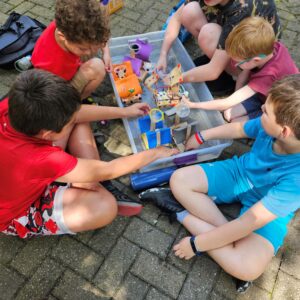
{"x":210,"y":22}
{"x":261,"y":60}
{"x":37,"y":124}
{"x":79,"y":30}
{"x":265,"y":180}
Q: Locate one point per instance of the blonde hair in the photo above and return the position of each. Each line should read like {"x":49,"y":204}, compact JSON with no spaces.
{"x":285,"y":97}
{"x":252,"y":36}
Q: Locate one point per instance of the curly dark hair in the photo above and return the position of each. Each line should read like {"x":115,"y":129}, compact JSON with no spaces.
{"x":82,"y":21}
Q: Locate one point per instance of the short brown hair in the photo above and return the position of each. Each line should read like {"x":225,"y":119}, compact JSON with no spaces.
{"x":82,"y":21}
{"x":252,"y":36}
{"x":285,"y":97}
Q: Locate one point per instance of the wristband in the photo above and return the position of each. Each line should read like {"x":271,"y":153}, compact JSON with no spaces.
{"x":199,"y":138}
{"x":192,"y":242}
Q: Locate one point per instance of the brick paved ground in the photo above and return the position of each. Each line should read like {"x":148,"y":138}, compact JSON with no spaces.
{"x":132,"y":258}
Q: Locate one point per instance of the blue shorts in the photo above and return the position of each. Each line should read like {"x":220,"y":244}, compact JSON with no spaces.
{"x":226,"y":184}
{"x":252,"y":106}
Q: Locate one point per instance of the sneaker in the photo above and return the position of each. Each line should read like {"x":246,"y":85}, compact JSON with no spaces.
{"x":223,"y":85}
{"x":164,"y":199}
{"x":126,"y":206}
{"x":242,"y":286}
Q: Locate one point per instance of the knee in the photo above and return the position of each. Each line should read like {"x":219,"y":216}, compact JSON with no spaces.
{"x":227,"y":115}
{"x":106,"y":209}
{"x":190,"y":15}
{"x":178,"y":179}
{"x":209,"y":36}
{"x":93,"y":69}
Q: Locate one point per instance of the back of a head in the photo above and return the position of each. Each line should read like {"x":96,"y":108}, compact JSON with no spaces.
{"x":285,"y":97}
{"x":251,"y":37}
{"x":40,"y":100}
{"x":82,"y":21}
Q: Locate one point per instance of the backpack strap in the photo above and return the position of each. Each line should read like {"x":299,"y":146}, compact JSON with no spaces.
{"x":7,"y":25}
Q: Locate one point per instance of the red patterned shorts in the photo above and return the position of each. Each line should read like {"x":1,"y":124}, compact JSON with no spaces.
{"x":43,"y":217}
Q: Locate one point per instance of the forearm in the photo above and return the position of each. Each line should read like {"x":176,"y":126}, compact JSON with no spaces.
{"x":172,"y":32}
{"x":256,"y":217}
{"x":223,"y":235}
{"x":201,"y":74}
{"x":90,"y":170}
{"x":124,"y":165}
{"x":226,"y":131}
{"x":221,"y":104}
{"x":90,"y":113}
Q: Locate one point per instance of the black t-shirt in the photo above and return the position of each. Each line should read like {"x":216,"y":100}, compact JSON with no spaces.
{"x":235,"y":11}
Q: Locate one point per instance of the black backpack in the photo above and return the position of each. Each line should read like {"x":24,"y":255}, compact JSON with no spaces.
{"x":17,"y":38}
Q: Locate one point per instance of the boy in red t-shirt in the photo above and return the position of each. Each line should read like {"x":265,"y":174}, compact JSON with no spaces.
{"x":79,"y":30}
{"x":259,"y":61}
{"x":37,"y":124}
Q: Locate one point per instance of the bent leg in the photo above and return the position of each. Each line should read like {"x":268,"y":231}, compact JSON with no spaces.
{"x":89,"y":76}
{"x":245,"y":259}
{"x":193,"y":18}
{"x":86,"y":210}
{"x":208,"y":38}
{"x":189,"y":186}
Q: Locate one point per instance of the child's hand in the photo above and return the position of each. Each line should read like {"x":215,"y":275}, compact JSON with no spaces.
{"x":163,"y":152}
{"x":187,"y":101}
{"x":183,"y":249}
{"x":107,"y":62}
{"x":137,"y":110}
{"x":162,"y":63}
{"x":191,"y":143}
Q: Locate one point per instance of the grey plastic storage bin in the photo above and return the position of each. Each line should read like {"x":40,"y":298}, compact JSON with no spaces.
{"x":197,"y":91}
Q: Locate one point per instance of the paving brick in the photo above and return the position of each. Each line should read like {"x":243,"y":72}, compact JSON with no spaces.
{"x":116,"y":266}
{"x":5,"y":7}
{"x":150,"y":213}
{"x":33,"y":254}
{"x":10,"y":282}
{"x":105,"y":238}
{"x":268,"y":278}
{"x":225,"y":286}
{"x":47,"y":4}
{"x":73,"y":287}
{"x":132,"y":288}
{"x":182,"y":264}
{"x":39,"y":10}
{"x":43,"y":280}
{"x":204,"y":271}
{"x":23,"y":7}
{"x":15,"y":2}
{"x":3,"y":17}
{"x":156,"y":295}
{"x":164,"y":225}
{"x":77,"y":256}
{"x":9,"y":247}
{"x":148,"y":237}
{"x":286,"y":287}
{"x":158,"y":273}
{"x":291,"y":258}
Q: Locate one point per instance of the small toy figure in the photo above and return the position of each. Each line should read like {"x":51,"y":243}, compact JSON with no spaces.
{"x":141,"y":48}
{"x":127,"y":83}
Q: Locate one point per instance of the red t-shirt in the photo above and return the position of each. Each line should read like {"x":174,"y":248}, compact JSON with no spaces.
{"x":48,"y":55}
{"x":27,"y":166}
{"x":279,"y":66}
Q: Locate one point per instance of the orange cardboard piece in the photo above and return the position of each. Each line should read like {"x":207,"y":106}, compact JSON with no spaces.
{"x":128,"y":86}
{"x":120,"y":71}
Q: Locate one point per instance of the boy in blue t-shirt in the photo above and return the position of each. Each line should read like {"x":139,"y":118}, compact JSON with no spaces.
{"x":266,"y":181}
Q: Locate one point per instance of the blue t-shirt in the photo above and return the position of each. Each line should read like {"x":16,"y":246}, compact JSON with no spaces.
{"x":274,"y":177}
